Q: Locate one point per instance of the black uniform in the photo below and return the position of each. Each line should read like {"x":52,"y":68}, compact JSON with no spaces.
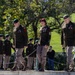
{"x":29,"y":53}
{"x":1,"y":47}
{"x":45,"y":36}
{"x":7,"y":47}
{"x":1,"y":54}
{"x":68,"y":40}
{"x":20,"y":37}
{"x":69,"y":32}
{"x":30,"y":49}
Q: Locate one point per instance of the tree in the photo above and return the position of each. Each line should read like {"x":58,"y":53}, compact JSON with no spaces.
{"x":30,"y":11}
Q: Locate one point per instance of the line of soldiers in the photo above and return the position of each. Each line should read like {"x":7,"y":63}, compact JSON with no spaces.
{"x":5,"y":51}
{"x":67,"y":42}
{"x":20,"y":42}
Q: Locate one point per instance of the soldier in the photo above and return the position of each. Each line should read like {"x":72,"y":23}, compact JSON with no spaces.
{"x":29,"y":51}
{"x":1,"y":50}
{"x":7,"y":52}
{"x":20,"y":42}
{"x":68,"y":40}
{"x":44,"y":43}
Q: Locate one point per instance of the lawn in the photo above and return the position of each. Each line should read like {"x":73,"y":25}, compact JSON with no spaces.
{"x":56,"y":42}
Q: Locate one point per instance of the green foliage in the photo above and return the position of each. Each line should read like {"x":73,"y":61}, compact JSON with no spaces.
{"x":31,"y":33}
{"x":30,"y":11}
{"x":60,"y":61}
{"x":73,"y":17}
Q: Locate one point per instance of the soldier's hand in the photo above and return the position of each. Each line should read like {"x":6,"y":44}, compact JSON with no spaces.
{"x":46,"y":46}
{"x":25,"y":46}
{"x":3,"y":54}
{"x":26,"y":56}
{"x":63,"y":47}
{"x":13,"y":46}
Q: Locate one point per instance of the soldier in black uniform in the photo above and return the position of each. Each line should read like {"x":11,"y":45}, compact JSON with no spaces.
{"x":20,"y":42}
{"x":68,"y":40}
{"x":1,"y":50}
{"x":44,"y":43}
{"x":29,"y":53}
{"x":7,"y":52}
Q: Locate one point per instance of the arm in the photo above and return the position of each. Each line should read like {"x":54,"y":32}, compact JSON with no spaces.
{"x":4,"y":47}
{"x":48,"y":34}
{"x":27,"y":52}
{"x":25,"y":35}
{"x":12,"y":46}
{"x":74,"y":34}
{"x":63,"y":40}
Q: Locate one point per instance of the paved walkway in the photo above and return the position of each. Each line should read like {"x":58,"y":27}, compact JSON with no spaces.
{"x":31,"y":72}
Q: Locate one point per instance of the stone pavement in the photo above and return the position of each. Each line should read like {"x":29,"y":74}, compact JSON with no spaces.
{"x":31,"y":72}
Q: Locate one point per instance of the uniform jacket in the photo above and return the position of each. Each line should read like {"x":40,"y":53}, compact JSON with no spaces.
{"x":68,"y":35}
{"x":30,"y":49}
{"x":45,"y":36}
{"x":7,"y":47}
{"x":20,"y":37}
{"x":1,"y":47}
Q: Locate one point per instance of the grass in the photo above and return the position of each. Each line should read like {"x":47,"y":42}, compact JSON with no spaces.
{"x":73,"y":17}
{"x":56,"y":42}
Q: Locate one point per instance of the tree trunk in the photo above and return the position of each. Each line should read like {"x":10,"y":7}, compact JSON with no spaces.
{"x":34,"y":25}
{"x":34,"y":29}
